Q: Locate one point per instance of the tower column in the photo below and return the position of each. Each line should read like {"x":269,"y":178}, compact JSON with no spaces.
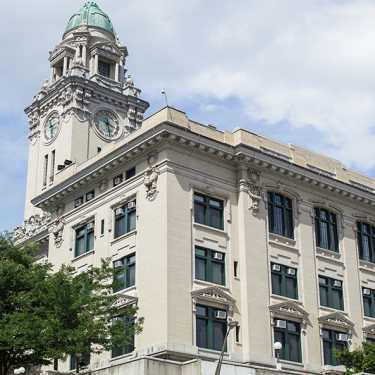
{"x":84,"y":55}
{"x":96,"y":64}
{"x":65,"y":68}
{"x":117,"y":71}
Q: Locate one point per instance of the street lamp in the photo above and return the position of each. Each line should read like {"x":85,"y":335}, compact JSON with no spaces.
{"x":278,"y":346}
{"x":232,"y":324}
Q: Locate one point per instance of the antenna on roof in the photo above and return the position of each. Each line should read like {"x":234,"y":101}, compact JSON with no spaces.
{"x":164,"y":93}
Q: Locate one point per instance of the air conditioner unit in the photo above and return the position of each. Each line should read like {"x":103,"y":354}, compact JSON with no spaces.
{"x":291,"y":271}
{"x":342,"y":337}
{"x":220,"y":314}
{"x":131,"y":205}
{"x":119,"y":211}
{"x":280,"y":323}
{"x":366,"y":292}
{"x":218,"y":256}
{"x":90,"y":226}
{"x":337,"y":283}
{"x":276,"y":267}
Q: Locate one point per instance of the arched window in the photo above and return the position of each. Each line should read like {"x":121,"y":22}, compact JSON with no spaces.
{"x":280,"y":215}
{"x":326,"y":229}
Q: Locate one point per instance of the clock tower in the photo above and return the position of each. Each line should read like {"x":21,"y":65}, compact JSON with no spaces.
{"x":88,"y":103}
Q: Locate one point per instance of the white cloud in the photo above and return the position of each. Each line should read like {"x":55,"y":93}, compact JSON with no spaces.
{"x":308,"y":63}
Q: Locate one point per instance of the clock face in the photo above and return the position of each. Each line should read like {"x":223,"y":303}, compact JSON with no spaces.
{"x":51,"y":128}
{"x":107,"y":124}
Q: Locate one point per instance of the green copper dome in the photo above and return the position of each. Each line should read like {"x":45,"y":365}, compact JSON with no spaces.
{"x":91,"y":15}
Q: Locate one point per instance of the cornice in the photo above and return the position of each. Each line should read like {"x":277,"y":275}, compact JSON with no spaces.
{"x":237,"y":156}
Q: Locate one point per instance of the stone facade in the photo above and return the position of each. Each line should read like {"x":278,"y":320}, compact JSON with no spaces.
{"x":74,"y":179}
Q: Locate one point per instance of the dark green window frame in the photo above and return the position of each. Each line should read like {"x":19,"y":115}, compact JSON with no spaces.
{"x":210,"y":330}
{"x":284,"y":281}
{"x":129,"y":347}
{"x":124,"y":276}
{"x":84,"y":239}
{"x":280,"y":215}
{"x":331,"y":345}
{"x":331,"y":293}
{"x":288,"y":333}
{"x":326,"y":229}
{"x":209,"y":265}
{"x":368,"y":302}
{"x":209,"y":211}
{"x":125,"y":218}
{"x":366,"y":241}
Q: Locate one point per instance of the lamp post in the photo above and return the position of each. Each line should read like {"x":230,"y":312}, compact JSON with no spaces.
{"x":19,"y":371}
{"x":278,"y":346}
{"x":231,"y":325}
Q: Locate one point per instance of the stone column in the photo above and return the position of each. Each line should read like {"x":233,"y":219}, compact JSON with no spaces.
{"x":96,"y":64}
{"x":84,"y":55}
{"x":117,"y":72}
{"x":65,"y":67}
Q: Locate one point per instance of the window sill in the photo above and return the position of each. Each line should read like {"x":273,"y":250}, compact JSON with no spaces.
{"x":329,"y":255}
{"x":92,"y":252}
{"x":365,"y":265}
{"x":211,"y":352}
{"x":291,"y":363}
{"x":332,"y":310}
{"x":288,"y":299}
{"x":212,"y":229}
{"x":126,"y":235}
{"x":208,"y":284}
{"x":286,"y":242}
{"x":124,"y":356}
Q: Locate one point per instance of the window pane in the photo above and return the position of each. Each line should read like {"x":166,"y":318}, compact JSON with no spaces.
{"x":328,"y":360}
{"x":131,"y":275}
{"x":323,"y":296}
{"x":216,"y":218}
{"x":119,"y":226}
{"x":324,"y":235}
{"x":218,"y":335}
{"x":202,"y":338}
{"x":199,"y":213}
{"x":217,"y":270}
{"x":276,"y":283}
{"x":90,"y":241}
{"x":132,"y":220}
{"x":294,"y":347}
{"x":337,"y":302}
{"x":291,"y":287}
{"x":200,"y":269}
{"x":278,"y":220}
{"x":80,"y":246}
{"x":367,"y":306}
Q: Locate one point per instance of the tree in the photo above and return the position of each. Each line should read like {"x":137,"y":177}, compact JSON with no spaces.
{"x":46,"y":315}
{"x":359,"y":360}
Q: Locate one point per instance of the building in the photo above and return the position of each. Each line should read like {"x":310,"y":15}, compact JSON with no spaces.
{"x":207,"y":225}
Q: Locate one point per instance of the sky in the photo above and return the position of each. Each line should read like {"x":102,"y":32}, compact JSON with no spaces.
{"x":300,"y":72}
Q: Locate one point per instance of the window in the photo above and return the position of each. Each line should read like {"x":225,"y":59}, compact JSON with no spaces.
{"x":208,"y":211}
{"x":284,"y":281}
{"x":326,"y":230}
{"x":369,"y":302}
{"x":84,"y":239}
{"x":118,"y":180}
{"x":78,"y":202}
{"x":125,"y":323}
{"x":125,"y":219}
{"x":124,"y":273}
{"x":289,"y":335}
{"x":104,"y":69}
{"x":102,"y":227}
{"x":280,"y":215}
{"x":235,"y":268}
{"x":45,"y":170}
{"x":209,"y":265}
{"x":370,"y":340}
{"x":366,"y":242}
{"x":333,"y":342}
{"x":90,"y":195}
{"x":130,"y":173}
{"x":330,"y":291}
{"x":211,"y":327}
{"x":84,"y":361}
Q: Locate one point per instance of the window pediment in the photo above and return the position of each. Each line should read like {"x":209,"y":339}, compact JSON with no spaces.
{"x":369,"y":330}
{"x":215,"y":295}
{"x":125,"y":300}
{"x":336,"y":320}
{"x":289,"y":309}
